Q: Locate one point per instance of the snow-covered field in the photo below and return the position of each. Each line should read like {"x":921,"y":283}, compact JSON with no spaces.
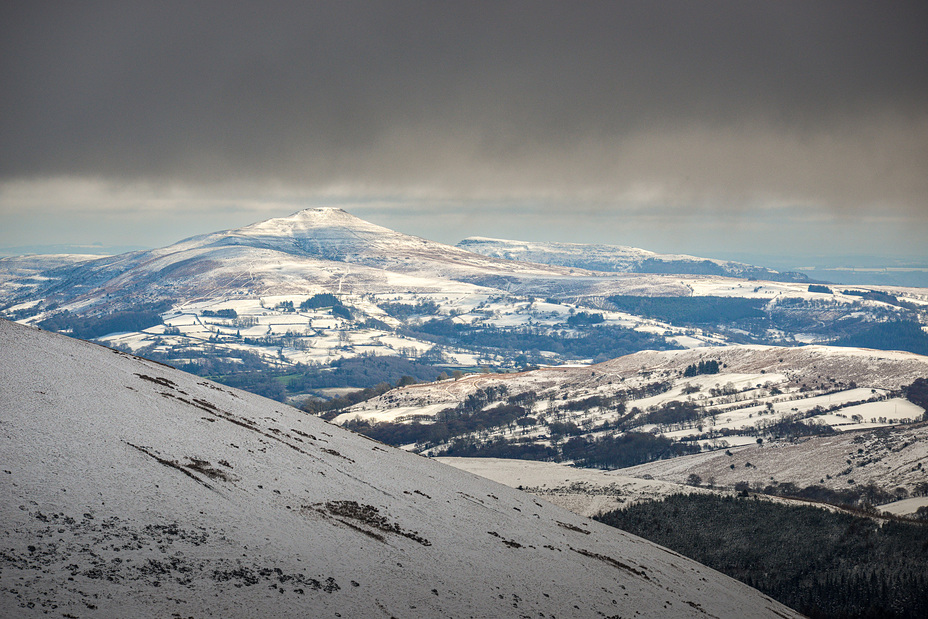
{"x":890,"y":458}
{"x":905,"y":507}
{"x":583,"y":491}
{"x":318,"y":337}
{"x":130,"y":489}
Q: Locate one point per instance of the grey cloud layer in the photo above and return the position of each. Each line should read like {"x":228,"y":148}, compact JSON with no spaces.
{"x":615,"y":98}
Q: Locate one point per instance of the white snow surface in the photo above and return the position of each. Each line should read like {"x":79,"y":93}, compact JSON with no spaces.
{"x":130,"y":489}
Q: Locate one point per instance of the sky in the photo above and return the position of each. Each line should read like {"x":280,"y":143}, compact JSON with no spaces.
{"x":782,"y":128}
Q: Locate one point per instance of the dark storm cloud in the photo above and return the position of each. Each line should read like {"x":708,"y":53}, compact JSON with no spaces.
{"x":546,"y":96}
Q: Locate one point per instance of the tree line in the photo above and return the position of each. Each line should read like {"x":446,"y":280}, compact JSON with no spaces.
{"x":821,"y":563}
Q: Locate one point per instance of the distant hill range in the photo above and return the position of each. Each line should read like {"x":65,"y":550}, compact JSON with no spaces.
{"x":621,"y":259}
{"x":321,"y":285}
{"x":327,"y":249}
{"x":310,"y":251}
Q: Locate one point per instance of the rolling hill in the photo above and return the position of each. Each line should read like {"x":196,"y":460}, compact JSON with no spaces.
{"x":133,"y":489}
{"x":654,"y":405}
{"x":309,"y":251}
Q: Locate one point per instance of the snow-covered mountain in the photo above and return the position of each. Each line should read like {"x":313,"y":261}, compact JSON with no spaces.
{"x":405,"y":296}
{"x":333,"y":234}
{"x":132,"y":489}
{"x":327,"y":249}
{"x":620,"y":258}
{"x":309,"y":251}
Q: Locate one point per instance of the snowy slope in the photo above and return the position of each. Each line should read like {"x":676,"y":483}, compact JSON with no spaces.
{"x":813,"y":369}
{"x":872,"y":368}
{"x":131,"y":489}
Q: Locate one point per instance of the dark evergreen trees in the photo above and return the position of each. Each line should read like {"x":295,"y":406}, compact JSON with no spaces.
{"x":224,"y":313}
{"x":917,"y":393}
{"x":89,"y":327}
{"x":893,"y":335}
{"x":691,"y":310}
{"x":821,"y":563}
{"x":317,"y":301}
{"x":629,"y":449}
{"x":703,"y":367}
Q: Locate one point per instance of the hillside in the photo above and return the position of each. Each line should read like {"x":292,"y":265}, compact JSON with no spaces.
{"x":132,"y":489}
{"x":805,"y":377}
{"x":23,"y":275}
{"x":655,"y":405}
{"x":587,"y":492}
{"x":889,"y":458}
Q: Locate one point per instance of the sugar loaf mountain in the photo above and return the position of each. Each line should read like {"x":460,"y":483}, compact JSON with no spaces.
{"x":199,"y":463}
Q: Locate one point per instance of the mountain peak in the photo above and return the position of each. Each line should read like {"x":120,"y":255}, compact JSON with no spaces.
{"x":318,"y":223}
{"x":320,"y":212}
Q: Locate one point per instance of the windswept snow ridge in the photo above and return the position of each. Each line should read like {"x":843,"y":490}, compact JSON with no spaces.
{"x":132,"y":489}
{"x":618,"y":258}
